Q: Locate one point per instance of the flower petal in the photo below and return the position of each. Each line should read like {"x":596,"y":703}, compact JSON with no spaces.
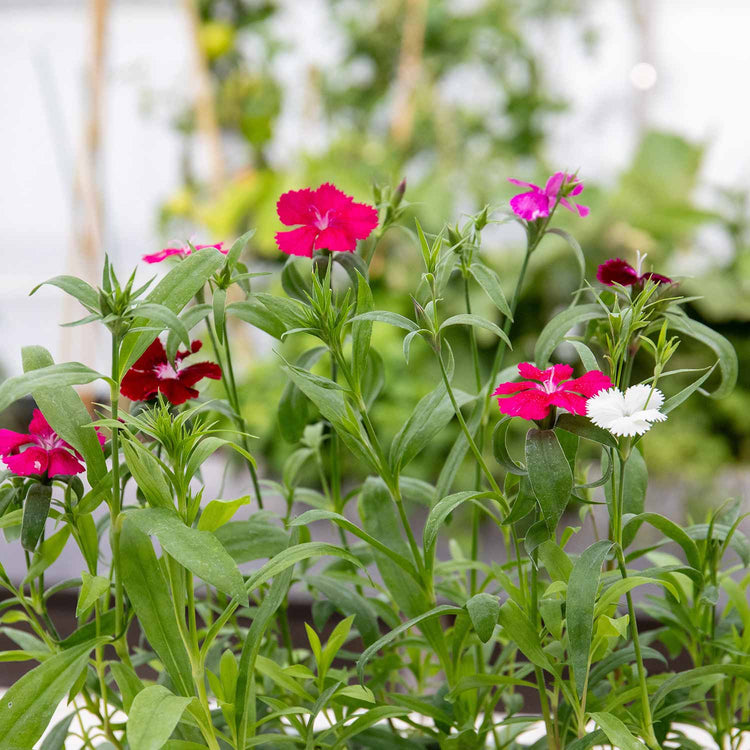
{"x":138,"y":385}
{"x":359,"y":220}
{"x":39,"y":427}
{"x":298,"y":241}
{"x":505,"y":389}
{"x":532,"y":404}
{"x":193,"y":373}
{"x":616,"y":271}
{"x":295,"y":207}
{"x":557,"y":373}
{"x":650,"y":415}
{"x":62,"y":462}
{"x":606,"y":407}
{"x":336,"y":240}
{"x":164,"y":254}
{"x":554,"y":183}
{"x":11,"y":441}
{"x":329,"y":198}
{"x":527,"y":371}
{"x":31,"y":461}
{"x":531,"y":205}
{"x":153,"y":356}
{"x":589,"y":384}
{"x":574,"y":403}
{"x":524,"y":184}
{"x":657,"y":278}
{"x":637,"y":397}
{"x":175,"y":392}
{"x":628,"y":426}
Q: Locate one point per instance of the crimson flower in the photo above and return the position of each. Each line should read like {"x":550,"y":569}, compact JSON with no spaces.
{"x":539,"y":202}
{"x":618,"y":271}
{"x":46,"y":451}
{"x":329,"y":219}
{"x":553,"y":387}
{"x":182,"y":252}
{"x":153,"y":373}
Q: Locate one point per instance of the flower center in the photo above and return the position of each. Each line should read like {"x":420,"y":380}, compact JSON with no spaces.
{"x":48,"y":443}
{"x":165,"y":371}
{"x":548,"y":386}
{"x":322,"y":222}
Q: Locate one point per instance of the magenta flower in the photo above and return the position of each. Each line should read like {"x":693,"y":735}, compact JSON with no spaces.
{"x":181,"y":252}
{"x":153,"y":373}
{"x":551,"y":387}
{"x":46,"y":451}
{"x":538,"y":203}
{"x":618,"y":271}
{"x":328,"y":219}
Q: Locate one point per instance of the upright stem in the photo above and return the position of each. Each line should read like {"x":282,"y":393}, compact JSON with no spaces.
{"x":648,"y":723}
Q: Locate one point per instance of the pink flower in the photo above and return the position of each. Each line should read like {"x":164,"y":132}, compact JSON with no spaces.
{"x":618,"y":271}
{"x":553,"y":387}
{"x":329,"y":219}
{"x":181,"y":252}
{"x":153,"y":373}
{"x":538,"y":202}
{"x":46,"y":452}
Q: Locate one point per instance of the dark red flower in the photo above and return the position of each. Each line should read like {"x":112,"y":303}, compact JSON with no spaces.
{"x":46,"y":451}
{"x":329,"y":220}
{"x":153,"y":373}
{"x":532,"y":398}
{"x":618,"y":271}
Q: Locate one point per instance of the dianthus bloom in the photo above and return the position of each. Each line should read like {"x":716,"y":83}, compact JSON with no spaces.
{"x":618,"y":271}
{"x":542,"y":389}
{"x":539,"y":202}
{"x":629,"y":413}
{"x":181,"y":252}
{"x":329,"y":220}
{"x":46,"y":451}
{"x":153,"y":373}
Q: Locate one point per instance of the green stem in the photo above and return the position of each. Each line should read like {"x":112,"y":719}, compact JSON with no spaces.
{"x":618,"y":498}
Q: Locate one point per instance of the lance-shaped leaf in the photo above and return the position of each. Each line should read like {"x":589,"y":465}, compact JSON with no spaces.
{"x":583,"y":585}
{"x":490,"y":282}
{"x":198,"y":551}
{"x":35,"y":512}
{"x":153,"y":717}
{"x":549,"y":474}
{"x":483,"y":610}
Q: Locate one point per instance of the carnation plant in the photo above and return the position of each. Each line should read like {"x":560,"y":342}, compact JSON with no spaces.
{"x":410,"y":643}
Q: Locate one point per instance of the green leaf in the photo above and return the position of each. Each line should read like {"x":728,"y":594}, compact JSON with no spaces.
{"x":52,"y":376}
{"x":617,"y":733}
{"x":166,"y":318}
{"x":293,"y":411}
{"x":291,"y":312}
{"x":27,"y":707}
{"x":198,"y":551}
{"x":257,"y":314}
{"x":476,"y":322}
{"x":383,"y":316}
{"x":361,"y":329}
{"x":500,"y":448}
{"x":174,"y":291}
{"x":66,"y":414}
{"x":520,"y":630}
{"x":153,"y":716}
{"x":368,"y":653}
{"x":292,"y":555}
{"x":35,"y":512}
{"x":148,"y":474}
{"x":481,"y":681}
{"x":219,"y":311}
{"x":726,"y":356}
{"x":253,"y":539}
{"x":549,"y":474}
{"x":150,"y":596}
{"x":128,"y":682}
{"x":219,"y":512}
{"x":555,"y":331}
{"x":490,"y":282}
{"x":583,"y":427}
{"x":483,"y":610}
{"x":55,"y":739}
{"x":49,"y":550}
{"x":237,"y":247}
{"x":319,"y":515}
{"x":245,"y":705}
{"x":92,"y":587}
{"x":75,"y":287}
{"x":634,"y":490}
{"x":583,"y":586}
{"x":697,"y":676}
{"x":430,"y":416}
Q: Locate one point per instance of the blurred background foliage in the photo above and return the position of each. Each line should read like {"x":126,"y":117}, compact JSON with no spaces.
{"x":451,"y":95}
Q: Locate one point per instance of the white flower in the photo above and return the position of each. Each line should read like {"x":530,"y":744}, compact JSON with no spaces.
{"x":629,"y":413}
